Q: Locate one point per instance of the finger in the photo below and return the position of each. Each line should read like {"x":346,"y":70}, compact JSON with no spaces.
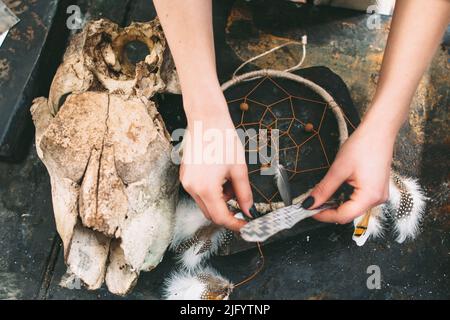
{"x":219,"y":212}
{"x":325,"y":188}
{"x":242,"y":189}
{"x":346,"y":212}
{"x":202,"y":206}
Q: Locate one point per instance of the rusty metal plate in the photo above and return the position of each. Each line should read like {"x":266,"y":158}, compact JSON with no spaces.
{"x":7,"y":18}
{"x":19,"y":57}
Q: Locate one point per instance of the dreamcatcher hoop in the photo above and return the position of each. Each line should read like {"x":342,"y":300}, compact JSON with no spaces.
{"x":263,"y":207}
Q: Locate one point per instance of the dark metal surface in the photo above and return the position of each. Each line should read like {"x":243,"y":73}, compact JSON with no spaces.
{"x":20,"y":80}
{"x":318,"y":264}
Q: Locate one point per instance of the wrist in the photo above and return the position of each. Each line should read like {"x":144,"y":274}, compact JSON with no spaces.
{"x":207,"y":103}
{"x":384,"y":119}
{"x":377,"y":130}
{"x":196,"y":89}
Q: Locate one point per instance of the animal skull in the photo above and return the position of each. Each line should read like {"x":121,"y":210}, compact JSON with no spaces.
{"x":107,"y":152}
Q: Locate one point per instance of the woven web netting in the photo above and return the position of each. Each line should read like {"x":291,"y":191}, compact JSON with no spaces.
{"x":308,"y":132}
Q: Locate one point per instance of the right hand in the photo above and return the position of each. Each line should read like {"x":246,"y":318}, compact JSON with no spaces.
{"x":213,"y":168}
{"x":364,"y":162}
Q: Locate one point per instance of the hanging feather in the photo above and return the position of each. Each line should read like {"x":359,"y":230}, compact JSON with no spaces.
{"x":261,"y":229}
{"x":202,"y":245}
{"x":195,"y":237}
{"x":205,"y":284}
{"x":369,"y":225}
{"x":407,"y":203}
{"x":283,"y":185}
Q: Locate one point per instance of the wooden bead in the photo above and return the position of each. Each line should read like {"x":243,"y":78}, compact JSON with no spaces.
{"x":309,"y":127}
{"x":244,"y":106}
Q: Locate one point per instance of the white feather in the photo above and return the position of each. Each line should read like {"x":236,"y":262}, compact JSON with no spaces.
{"x":185,"y":285}
{"x":394,"y":195}
{"x":261,"y":229}
{"x":191,"y":259}
{"x":408,"y":227}
{"x":188,"y":219}
{"x":375,"y":227}
{"x":283,"y":185}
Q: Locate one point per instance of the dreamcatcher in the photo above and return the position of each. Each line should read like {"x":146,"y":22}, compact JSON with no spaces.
{"x":307,"y":135}
{"x":310,"y":126}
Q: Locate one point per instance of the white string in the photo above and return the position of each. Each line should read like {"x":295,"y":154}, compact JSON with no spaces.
{"x":303,"y":43}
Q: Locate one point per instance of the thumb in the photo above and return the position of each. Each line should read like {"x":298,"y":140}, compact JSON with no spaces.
{"x":325,"y":188}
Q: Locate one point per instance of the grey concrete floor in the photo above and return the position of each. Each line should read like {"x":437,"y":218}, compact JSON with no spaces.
{"x":320,"y":264}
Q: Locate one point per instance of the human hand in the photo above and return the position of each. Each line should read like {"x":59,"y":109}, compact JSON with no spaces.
{"x":213,"y":168}
{"x":364,"y":162}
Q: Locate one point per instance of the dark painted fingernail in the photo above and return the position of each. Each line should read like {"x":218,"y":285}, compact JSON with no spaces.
{"x":308,"y":202}
{"x":254,"y":213}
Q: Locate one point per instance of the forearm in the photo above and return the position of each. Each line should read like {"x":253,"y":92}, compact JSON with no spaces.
{"x":416,"y":31}
{"x":188,"y":29}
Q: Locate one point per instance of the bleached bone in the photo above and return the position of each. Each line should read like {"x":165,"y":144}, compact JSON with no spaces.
{"x":107,"y":151}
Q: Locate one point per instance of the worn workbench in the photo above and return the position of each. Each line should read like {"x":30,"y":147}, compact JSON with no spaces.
{"x":320,"y":264}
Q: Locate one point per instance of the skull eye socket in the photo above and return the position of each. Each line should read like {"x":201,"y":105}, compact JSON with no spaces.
{"x":130,"y":49}
{"x":136,"y":51}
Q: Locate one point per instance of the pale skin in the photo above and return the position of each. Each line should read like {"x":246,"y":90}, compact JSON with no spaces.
{"x":364,"y":161}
